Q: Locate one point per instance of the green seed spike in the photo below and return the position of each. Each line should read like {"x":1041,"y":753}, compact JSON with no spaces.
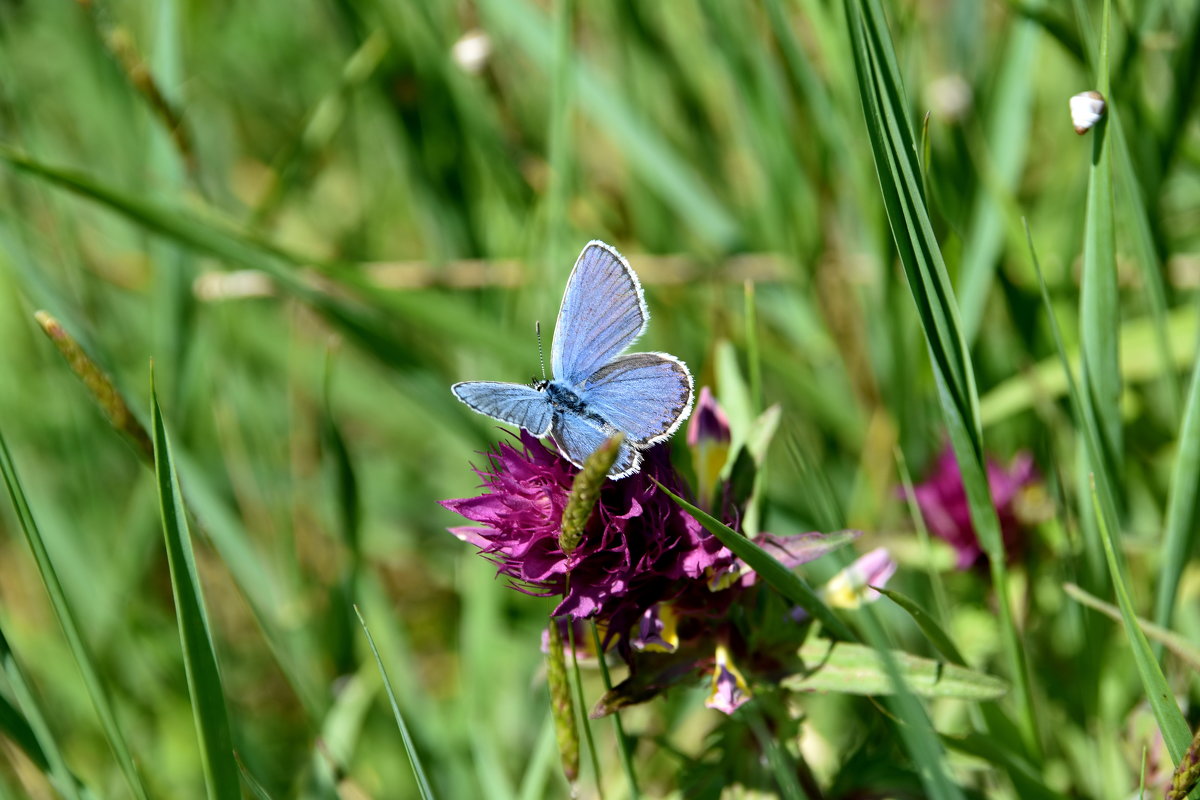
{"x":585,"y":491}
{"x":100,"y":385}
{"x":561,"y":707}
{"x":1187,"y":774}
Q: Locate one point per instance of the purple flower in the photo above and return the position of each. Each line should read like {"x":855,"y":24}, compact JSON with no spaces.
{"x":708,"y":439}
{"x":639,"y":548}
{"x":729,"y":688}
{"x":943,"y":503}
{"x":850,"y":587}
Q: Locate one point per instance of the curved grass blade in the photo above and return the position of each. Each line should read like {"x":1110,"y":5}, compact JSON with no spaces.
{"x":1162,"y":700}
{"x":195,"y":633}
{"x":1183,"y":507}
{"x":257,"y":789}
{"x":66,"y":620}
{"x":29,"y":730}
{"x":1170,"y":720}
{"x":413,"y":758}
{"x":781,"y":579}
{"x":1184,"y":650}
{"x":928,"y":625}
{"x":885,"y":107}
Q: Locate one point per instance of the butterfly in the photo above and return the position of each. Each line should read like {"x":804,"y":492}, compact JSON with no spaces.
{"x":596,"y":391}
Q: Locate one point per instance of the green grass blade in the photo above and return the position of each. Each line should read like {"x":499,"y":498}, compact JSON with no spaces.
{"x":1183,"y":508}
{"x":413,"y":757}
{"x":195,"y":633}
{"x":1007,"y":138}
{"x":884,"y":106}
{"x":227,"y":244}
{"x":29,"y":730}
{"x":1170,"y":720}
{"x":1162,"y":699}
{"x":1098,"y":303}
{"x":928,"y":625}
{"x":1184,"y":650}
{"x":257,"y":789}
{"x":66,"y":619}
{"x":777,"y":758}
{"x":647,"y":152}
{"x":780,"y":578}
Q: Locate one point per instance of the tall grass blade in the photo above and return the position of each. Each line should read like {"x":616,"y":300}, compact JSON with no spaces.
{"x":96,"y":688}
{"x":1170,"y":720}
{"x":884,"y":106}
{"x":414,"y":758}
{"x":29,"y":730}
{"x":1098,"y":303}
{"x":1183,"y":508}
{"x":195,"y":632}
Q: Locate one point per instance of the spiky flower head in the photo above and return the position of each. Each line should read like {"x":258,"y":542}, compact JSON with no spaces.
{"x":638,"y":547}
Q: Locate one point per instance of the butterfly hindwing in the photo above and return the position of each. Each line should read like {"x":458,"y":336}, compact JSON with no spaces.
{"x":647,"y":395}
{"x":578,"y":437}
{"x":603,"y":312}
{"x":513,"y":403}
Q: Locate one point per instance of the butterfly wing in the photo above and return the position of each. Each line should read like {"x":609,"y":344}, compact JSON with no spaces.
{"x":602,"y":313}
{"x":513,"y":403}
{"x":578,"y":437}
{"x":647,"y":395}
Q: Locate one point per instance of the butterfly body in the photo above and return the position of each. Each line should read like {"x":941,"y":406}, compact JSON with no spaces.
{"x":596,"y":391}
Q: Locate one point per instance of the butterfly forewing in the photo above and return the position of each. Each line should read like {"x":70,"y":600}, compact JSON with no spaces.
{"x":578,"y":437}
{"x":602,"y":313}
{"x":646,"y":395}
{"x":513,"y":403}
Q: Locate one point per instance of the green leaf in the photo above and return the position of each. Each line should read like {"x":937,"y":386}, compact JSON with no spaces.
{"x":414,"y":758}
{"x":779,"y":577}
{"x":1181,"y":647}
{"x":1099,"y":310}
{"x":1183,"y":507}
{"x":66,"y":619}
{"x":885,"y":106}
{"x":850,"y":668}
{"x":1162,"y":699}
{"x":928,"y":625}
{"x":195,"y":634}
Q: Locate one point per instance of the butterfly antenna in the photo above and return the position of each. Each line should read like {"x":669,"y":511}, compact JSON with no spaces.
{"x":537,"y":328}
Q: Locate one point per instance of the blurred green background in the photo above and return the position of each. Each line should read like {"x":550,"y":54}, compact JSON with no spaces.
{"x":315,"y":216}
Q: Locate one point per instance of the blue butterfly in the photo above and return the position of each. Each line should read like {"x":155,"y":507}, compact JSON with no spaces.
{"x":596,"y":391}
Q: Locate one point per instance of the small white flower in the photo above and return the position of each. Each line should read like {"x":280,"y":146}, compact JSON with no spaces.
{"x":1087,"y":108}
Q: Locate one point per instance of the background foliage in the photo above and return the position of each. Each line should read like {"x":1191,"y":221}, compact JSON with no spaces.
{"x":315,"y":216}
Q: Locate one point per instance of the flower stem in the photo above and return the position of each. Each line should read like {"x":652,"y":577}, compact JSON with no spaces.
{"x":587,"y":726}
{"x":623,"y":748}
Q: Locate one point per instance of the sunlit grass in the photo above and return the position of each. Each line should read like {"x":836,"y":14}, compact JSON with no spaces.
{"x":294,"y":148}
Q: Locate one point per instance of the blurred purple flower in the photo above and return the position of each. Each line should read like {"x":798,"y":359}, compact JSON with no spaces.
{"x":708,"y":439}
{"x":709,"y":423}
{"x":639,"y":547}
{"x":850,"y":587}
{"x":729,"y":688}
{"x":943,"y":503}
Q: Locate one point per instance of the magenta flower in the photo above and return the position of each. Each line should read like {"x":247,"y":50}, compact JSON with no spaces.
{"x":943,"y":503}
{"x":639,"y":547}
{"x":729,"y":689}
